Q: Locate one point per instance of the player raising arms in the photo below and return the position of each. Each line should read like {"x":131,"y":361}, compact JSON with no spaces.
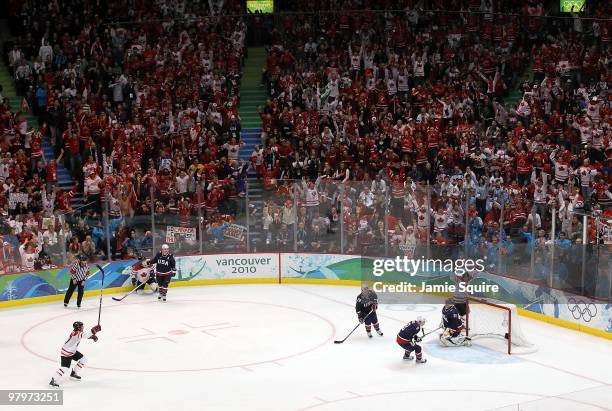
{"x":366,"y":306}
{"x":165,"y":269}
{"x":408,"y":338}
{"x":453,"y":326}
{"x":142,"y":273}
{"x":69,"y":352}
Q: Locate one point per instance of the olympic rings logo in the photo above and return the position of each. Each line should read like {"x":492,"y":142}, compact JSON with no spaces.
{"x":581,"y":309}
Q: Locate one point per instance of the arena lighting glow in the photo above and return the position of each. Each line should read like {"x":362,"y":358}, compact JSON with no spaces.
{"x":262,"y":6}
{"x":569,"y":6}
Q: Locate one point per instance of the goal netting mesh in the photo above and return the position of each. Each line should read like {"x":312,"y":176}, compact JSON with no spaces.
{"x":488,"y":318}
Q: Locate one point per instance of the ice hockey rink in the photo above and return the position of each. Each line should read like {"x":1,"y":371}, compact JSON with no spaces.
{"x":270,"y":347}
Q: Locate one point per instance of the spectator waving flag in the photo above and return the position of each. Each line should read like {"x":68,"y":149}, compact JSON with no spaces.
{"x":25,"y":107}
{"x":325,"y":94}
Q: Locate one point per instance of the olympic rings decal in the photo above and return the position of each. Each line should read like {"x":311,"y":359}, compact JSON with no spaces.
{"x":581,"y":310}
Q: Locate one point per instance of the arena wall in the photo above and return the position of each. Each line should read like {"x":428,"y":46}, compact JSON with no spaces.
{"x":535,"y":301}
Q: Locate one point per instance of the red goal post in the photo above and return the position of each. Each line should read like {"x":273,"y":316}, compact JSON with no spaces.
{"x":488,"y":318}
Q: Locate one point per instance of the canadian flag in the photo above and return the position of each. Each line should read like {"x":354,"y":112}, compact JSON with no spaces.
{"x":25,"y":107}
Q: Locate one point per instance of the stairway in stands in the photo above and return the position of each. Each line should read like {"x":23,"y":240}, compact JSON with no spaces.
{"x":65,"y":181}
{"x":252,"y":95}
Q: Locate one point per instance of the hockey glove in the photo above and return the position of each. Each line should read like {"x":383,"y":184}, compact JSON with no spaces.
{"x":94,"y":337}
{"x":360,"y":320}
{"x":96,"y":328}
{"x":418,"y":339}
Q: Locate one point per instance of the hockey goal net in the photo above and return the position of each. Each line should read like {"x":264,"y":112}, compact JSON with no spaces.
{"x":488,"y":318}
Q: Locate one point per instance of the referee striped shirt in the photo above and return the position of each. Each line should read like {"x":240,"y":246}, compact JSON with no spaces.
{"x":78,"y":272}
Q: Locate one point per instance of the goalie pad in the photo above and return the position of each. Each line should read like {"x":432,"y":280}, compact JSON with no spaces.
{"x":460,"y":341}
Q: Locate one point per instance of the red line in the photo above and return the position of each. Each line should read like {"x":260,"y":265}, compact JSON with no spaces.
{"x":541,"y":396}
{"x":524,"y":358}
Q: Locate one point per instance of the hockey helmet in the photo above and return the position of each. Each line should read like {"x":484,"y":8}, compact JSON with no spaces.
{"x":77,"y":325}
{"x":421,"y":320}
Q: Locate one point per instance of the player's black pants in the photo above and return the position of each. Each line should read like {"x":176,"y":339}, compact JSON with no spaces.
{"x":409,"y":346}
{"x":81,"y":290}
{"x":163,"y":281}
{"x":67,"y":360}
{"x":371,"y":320}
{"x":140,"y":285}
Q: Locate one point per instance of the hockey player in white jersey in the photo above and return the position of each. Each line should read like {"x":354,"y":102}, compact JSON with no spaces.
{"x":70,"y":353}
{"x":141,"y":274}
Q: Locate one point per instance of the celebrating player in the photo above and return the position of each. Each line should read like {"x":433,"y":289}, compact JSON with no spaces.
{"x":78,"y":274}
{"x":69,"y":352}
{"x":367,"y":304}
{"x":165,"y":269}
{"x":408,"y":338}
{"x":142,"y":273}
{"x":453,"y":326}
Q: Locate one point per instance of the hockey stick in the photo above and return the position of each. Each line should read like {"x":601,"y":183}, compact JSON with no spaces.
{"x":134,"y":289}
{"x":101,"y":289}
{"x":353,"y":330}
{"x":432,"y":331}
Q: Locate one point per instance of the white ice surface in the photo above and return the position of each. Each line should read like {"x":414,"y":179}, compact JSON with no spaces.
{"x":270,"y":347}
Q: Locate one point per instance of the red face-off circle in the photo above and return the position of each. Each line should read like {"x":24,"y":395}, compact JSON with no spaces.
{"x":196,"y":335}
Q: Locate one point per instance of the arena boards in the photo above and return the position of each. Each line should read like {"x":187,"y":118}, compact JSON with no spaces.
{"x":577,"y":313}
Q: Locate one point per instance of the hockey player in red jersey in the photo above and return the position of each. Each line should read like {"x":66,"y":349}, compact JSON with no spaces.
{"x":69,"y":352}
{"x":142,"y":273}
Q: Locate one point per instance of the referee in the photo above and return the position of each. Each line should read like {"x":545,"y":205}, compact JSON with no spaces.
{"x":78,"y":274}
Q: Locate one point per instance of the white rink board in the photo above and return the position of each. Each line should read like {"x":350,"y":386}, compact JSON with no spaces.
{"x":229,"y":266}
{"x":270,"y":347}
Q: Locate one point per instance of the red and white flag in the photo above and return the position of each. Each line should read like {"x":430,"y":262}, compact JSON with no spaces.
{"x":25,"y":107}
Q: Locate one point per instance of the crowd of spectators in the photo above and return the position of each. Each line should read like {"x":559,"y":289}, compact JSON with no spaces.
{"x":460,"y":124}
{"x":403,"y":122}
{"x":138,"y":101}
